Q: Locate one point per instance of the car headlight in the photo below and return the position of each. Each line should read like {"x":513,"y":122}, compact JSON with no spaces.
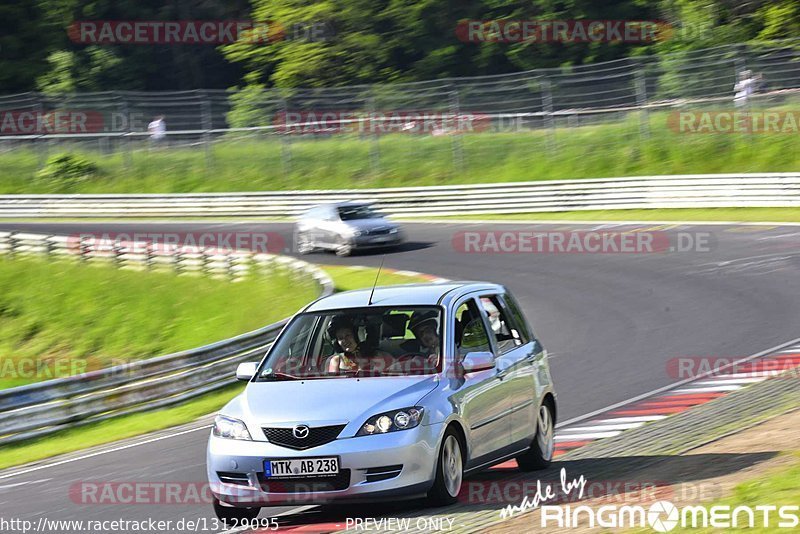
{"x":392,"y":421}
{"x":230,"y":428}
{"x":394,"y":230}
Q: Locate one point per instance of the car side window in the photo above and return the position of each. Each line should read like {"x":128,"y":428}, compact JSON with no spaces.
{"x":470,"y":332}
{"x":501,"y":326}
{"x":518,"y":319}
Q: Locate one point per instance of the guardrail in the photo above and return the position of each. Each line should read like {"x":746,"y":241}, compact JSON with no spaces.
{"x":682,"y":191}
{"x":45,"y":407}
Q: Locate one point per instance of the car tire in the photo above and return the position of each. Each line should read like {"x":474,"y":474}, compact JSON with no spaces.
{"x":302,"y":244}
{"x":540,"y":454}
{"x":344,"y":247}
{"x":233,"y":514}
{"x":449,"y":471}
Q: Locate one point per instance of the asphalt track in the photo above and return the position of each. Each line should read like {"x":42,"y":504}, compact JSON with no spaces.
{"x":611,"y":323}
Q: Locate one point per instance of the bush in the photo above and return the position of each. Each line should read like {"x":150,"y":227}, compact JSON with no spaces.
{"x":66,"y":170}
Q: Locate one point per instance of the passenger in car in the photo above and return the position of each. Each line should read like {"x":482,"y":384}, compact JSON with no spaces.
{"x":352,"y":354}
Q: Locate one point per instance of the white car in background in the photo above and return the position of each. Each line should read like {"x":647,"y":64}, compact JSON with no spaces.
{"x":344,"y":227}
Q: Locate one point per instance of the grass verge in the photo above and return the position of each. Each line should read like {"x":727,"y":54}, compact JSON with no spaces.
{"x":677,"y":214}
{"x":778,"y":488}
{"x":347,"y":161}
{"x":346,"y":278}
{"x":126,"y":426}
{"x":60,"y":318}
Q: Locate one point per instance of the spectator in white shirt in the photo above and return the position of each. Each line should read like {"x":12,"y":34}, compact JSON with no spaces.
{"x":157,"y":129}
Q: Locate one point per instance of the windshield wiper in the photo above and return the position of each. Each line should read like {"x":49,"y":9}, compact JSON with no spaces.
{"x":275,"y":376}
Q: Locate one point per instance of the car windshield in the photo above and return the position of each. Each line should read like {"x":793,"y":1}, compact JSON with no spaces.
{"x":397,"y":341}
{"x":349,"y":213}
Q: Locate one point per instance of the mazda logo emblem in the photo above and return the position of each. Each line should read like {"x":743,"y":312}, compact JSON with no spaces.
{"x":300,"y":431}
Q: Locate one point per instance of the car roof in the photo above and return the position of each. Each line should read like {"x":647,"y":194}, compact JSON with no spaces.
{"x":401,"y":295}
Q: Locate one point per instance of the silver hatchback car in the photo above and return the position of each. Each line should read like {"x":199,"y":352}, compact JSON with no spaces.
{"x":344,"y":227}
{"x":385,"y":394}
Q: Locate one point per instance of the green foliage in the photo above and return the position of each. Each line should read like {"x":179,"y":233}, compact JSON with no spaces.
{"x":65,"y":172}
{"x":372,"y":41}
{"x":249,"y":108}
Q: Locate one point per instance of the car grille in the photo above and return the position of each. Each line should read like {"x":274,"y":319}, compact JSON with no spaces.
{"x":316,"y":436}
{"x":233,"y":478}
{"x":378,"y":231}
{"x":376,"y":474}
{"x":305,"y":484}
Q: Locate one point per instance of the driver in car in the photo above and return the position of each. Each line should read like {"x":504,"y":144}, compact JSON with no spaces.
{"x":352,"y":355}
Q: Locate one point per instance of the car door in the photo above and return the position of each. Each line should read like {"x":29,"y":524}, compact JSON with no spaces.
{"x":480,"y":398}
{"x":329,"y":226}
{"x":515,"y":364}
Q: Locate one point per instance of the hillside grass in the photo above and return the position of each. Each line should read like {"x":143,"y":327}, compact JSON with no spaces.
{"x":62,"y":318}
{"x":346,"y":161}
{"x":127,"y":426}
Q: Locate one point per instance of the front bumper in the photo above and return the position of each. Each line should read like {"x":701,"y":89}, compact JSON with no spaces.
{"x":369,"y":241}
{"x":416,"y":450}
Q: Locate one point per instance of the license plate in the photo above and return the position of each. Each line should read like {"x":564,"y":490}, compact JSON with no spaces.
{"x":302,"y":467}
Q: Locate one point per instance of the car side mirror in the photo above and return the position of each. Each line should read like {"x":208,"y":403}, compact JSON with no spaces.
{"x":477,"y":361}
{"x":246,"y":370}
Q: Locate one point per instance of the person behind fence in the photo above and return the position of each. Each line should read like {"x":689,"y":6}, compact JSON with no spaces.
{"x":157,"y":129}
{"x":743,"y":88}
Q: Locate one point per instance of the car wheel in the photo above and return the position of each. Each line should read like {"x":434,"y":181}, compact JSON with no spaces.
{"x":344,"y":248}
{"x":302,"y":244}
{"x":449,"y":472}
{"x":232,"y":513}
{"x":540,"y":454}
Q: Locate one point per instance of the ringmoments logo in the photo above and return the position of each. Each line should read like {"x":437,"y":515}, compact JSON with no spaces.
{"x":664,"y":516}
{"x":661,"y":516}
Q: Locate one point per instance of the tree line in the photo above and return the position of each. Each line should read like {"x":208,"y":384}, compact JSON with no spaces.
{"x":365,"y":41}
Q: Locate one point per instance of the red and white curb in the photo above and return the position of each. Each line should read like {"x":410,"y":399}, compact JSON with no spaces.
{"x":683,"y":397}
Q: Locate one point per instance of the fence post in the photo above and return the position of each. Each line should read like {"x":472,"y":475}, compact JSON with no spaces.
{"x":12,"y":245}
{"x":116,"y":249}
{"x":230,"y":265}
{"x":44,"y":143}
{"x":374,"y":144}
{"x":84,"y":249}
{"x":286,"y":147}
{"x":148,"y":258}
{"x":207,"y":119}
{"x":640,"y":83}
{"x":456,"y":141}
{"x":126,"y":137}
{"x":547,"y":108}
